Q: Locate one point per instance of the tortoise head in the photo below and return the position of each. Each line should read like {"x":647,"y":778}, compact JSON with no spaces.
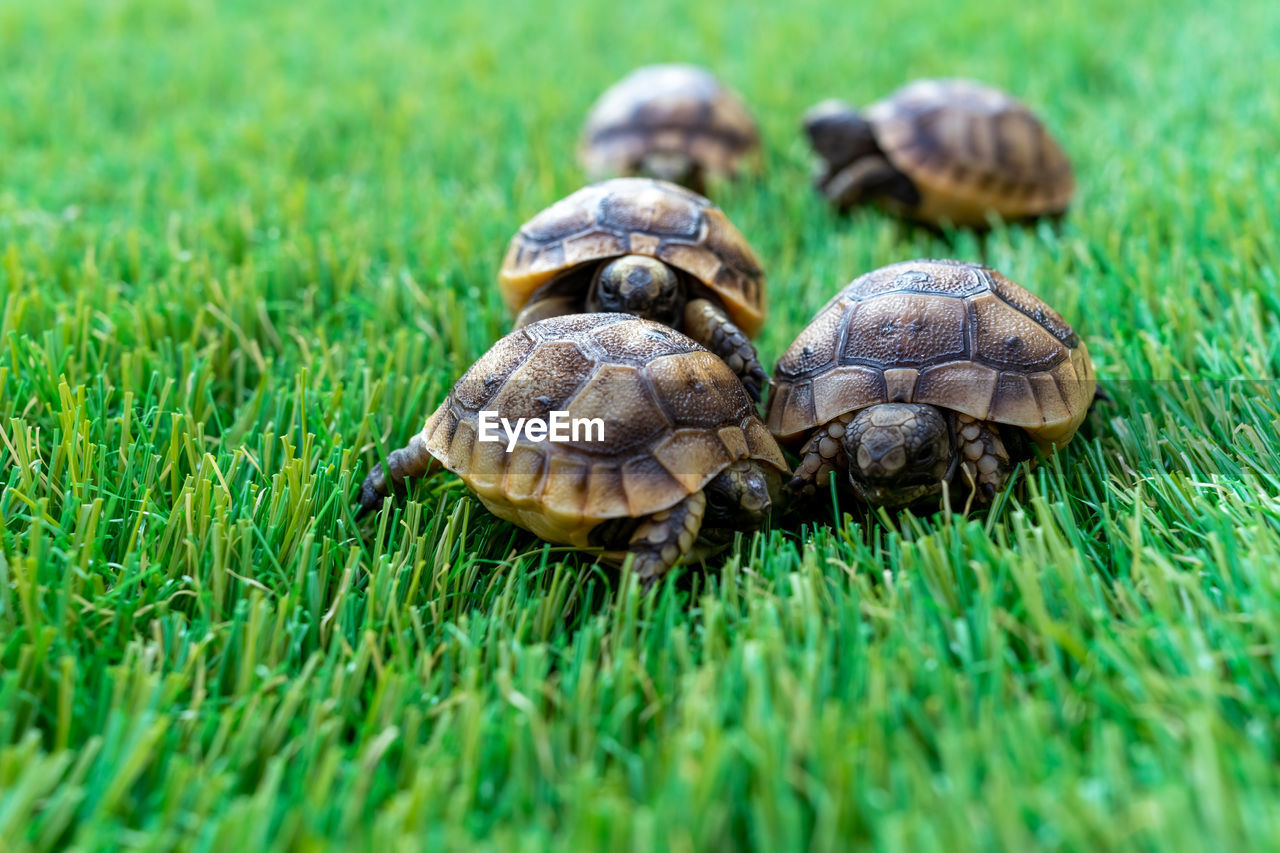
{"x":639,"y":285}
{"x":899,"y":453}
{"x":838,"y":133}
{"x":741,"y":496}
{"x":669,"y":165}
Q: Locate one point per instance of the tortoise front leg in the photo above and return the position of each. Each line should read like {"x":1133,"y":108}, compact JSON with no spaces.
{"x":663,"y":538}
{"x":552,"y":306}
{"x":865,"y":179}
{"x":822,"y":455}
{"x":407,"y":462}
{"x":709,"y":325}
{"x":985,"y":461}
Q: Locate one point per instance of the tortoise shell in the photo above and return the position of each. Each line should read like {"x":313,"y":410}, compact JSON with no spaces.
{"x":950,"y":334}
{"x":674,"y":108}
{"x":971,"y":150}
{"x":637,"y":216}
{"x":674,"y":417}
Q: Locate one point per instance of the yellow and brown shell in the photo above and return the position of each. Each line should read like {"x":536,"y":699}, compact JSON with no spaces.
{"x":674,"y":417}
{"x":637,"y":216}
{"x":680,"y":109}
{"x":971,"y":150}
{"x":949,"y":334}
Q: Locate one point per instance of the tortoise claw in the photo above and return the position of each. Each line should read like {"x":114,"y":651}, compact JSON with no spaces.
{"x":755,"y":382}
{"x":371,"y":496}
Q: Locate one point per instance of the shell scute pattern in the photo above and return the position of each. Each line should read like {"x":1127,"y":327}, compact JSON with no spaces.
{"x":621,"y":397}
{"x":655,"y":209}
{"x":905,"y":329}
{"x":971,"y":148}
{"x":695,"y":391}
{"x":484,"y":379}
{"x":548,"y":376}
{"x":954,"y":335}
{"x":675,"y":107}
{"x":674,"y":416}
{"x":643,"y":217}
{"x":948,"y":125}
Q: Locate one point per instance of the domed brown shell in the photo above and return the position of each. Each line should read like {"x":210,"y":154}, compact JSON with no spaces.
{"x":637,"y":216}
{"x":668,"y":108}
{"x":950,"y":334}
{"x":971,"y":150}
{"x":674,"y":417}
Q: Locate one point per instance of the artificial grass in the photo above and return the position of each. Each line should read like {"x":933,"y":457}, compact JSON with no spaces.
{"x":246,"y":248}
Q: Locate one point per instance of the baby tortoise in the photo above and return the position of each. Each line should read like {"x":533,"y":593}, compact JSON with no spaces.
{"x":928,"y":372}
{"x":683,"y":462}
{"x":674,"y":122}
{"x":643,"y":247}
{"x":941,"y":151}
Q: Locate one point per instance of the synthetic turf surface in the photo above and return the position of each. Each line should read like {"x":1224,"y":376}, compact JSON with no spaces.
{"x":245,"y":248}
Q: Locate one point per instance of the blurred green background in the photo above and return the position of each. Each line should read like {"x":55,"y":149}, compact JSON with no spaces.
{"x":245,"y":248}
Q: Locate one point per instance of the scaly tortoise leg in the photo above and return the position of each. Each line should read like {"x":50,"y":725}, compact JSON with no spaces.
{"x":821,"y":455}
{"x":985,"y":461}
{"x":865,"y":179}
{"x":405,"y":463}
{"x":709,"y":325}
{"x":663,"y":538}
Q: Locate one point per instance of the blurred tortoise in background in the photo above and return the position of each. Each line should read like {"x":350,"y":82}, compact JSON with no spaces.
{"x":941,"y":152}
{"x":928,"y":372}
{"x":673,"y":122}
{"x":680,"y":460}
{"x":644,"y":247}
